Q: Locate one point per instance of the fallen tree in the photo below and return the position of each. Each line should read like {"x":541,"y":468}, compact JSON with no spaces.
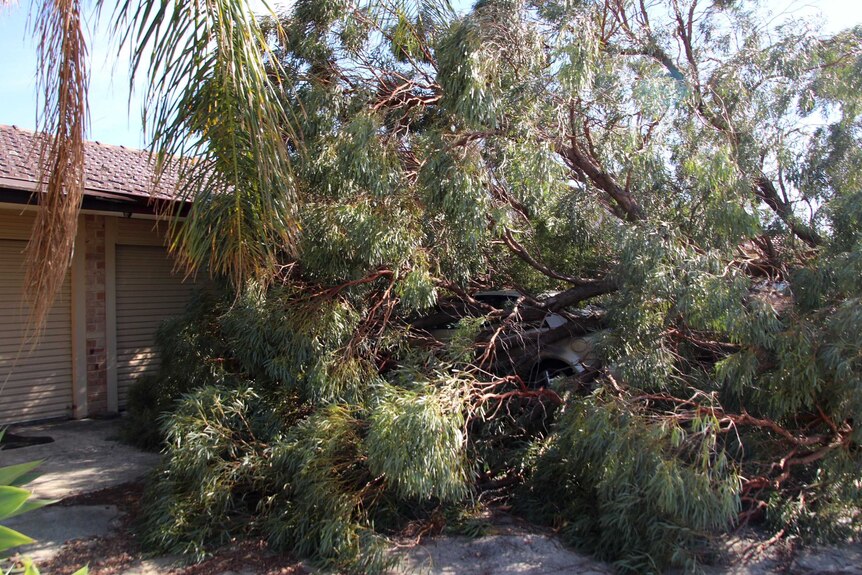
{"x":658,"y":163}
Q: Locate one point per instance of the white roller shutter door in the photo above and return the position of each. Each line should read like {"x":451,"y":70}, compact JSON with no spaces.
{"x":35,"y":382}
{"x":148,"y":292}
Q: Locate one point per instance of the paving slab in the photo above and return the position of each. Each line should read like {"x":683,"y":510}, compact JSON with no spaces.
{"x":53,"y":526}
{"x":85,"y":456}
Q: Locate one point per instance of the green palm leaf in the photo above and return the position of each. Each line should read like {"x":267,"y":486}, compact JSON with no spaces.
{"x":215,"y":116}
{"x":19,"y":474}
{"x":11,"y":499}
{"x":10,"y":538}
{"x":31,"y":505}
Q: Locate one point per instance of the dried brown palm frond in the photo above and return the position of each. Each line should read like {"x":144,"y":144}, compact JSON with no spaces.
{"x":63,"y":83}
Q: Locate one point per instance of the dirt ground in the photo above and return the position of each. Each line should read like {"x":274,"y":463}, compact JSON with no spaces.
{"x":98,"y":481}
{"x":119,"y":552}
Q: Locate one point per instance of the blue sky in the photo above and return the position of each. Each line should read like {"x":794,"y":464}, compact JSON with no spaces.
{"x":111,"y":119}
{"x":115,"y":119}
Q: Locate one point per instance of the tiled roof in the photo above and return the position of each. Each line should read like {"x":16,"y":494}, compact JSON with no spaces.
{"x":114,"y":170}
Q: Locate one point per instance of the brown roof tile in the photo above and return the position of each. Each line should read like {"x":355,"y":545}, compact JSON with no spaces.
{"x":107,"y":169}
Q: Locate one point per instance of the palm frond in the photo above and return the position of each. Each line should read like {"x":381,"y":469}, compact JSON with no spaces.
{"x":213,"y":113}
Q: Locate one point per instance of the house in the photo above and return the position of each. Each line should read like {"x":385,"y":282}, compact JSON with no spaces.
{"x":122,"y":284}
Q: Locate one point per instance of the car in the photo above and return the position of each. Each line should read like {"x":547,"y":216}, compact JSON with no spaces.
{"x":539,"y":350}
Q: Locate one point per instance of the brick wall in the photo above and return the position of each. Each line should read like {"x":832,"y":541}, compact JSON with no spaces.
{"x":94,"y":251}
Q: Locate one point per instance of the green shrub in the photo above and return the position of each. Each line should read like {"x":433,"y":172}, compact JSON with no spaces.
{"x":327,"y":508}
{"x":206,"y":489}
{"x":416,"y":440}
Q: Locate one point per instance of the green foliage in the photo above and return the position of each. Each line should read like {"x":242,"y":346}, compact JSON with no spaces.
{"x":416,"y":439}
{"x":199,"y":495}
{"x":191,"y":356}
{"x":631,"y":491}
{"x":467,"y":78}
{"x":257,"y":438}
{"x":235,"y":465}
{"x":327,"y":511}
{"x":12,"y":502}
{"x":216,"y":127}
{"x":222,"y":131}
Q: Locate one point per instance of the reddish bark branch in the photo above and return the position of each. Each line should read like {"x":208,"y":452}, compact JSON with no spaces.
{"x":335,"y":290}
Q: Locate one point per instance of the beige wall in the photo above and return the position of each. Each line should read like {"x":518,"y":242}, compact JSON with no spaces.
{"x":93,"y":297}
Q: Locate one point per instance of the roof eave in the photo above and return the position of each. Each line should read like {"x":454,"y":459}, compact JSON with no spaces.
{"x":19,"y":192}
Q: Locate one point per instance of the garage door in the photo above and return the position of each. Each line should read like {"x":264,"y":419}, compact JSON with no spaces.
{"x":35,"y":382}
{"x":148,"y":292}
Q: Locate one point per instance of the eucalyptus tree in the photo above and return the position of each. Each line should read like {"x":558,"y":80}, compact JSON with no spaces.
{"x":688,"y":170}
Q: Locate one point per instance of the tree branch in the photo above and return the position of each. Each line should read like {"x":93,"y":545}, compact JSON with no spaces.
{"x":766,"y":191}
{"x":579,"y":161}
{"x":524,"y":255}
{"x":577,"y":294}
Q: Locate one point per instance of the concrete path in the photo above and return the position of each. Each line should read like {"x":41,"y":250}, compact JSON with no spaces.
{"x":85,"y":456}
{"x":846,"y":560}
{"x":53,"y":526}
